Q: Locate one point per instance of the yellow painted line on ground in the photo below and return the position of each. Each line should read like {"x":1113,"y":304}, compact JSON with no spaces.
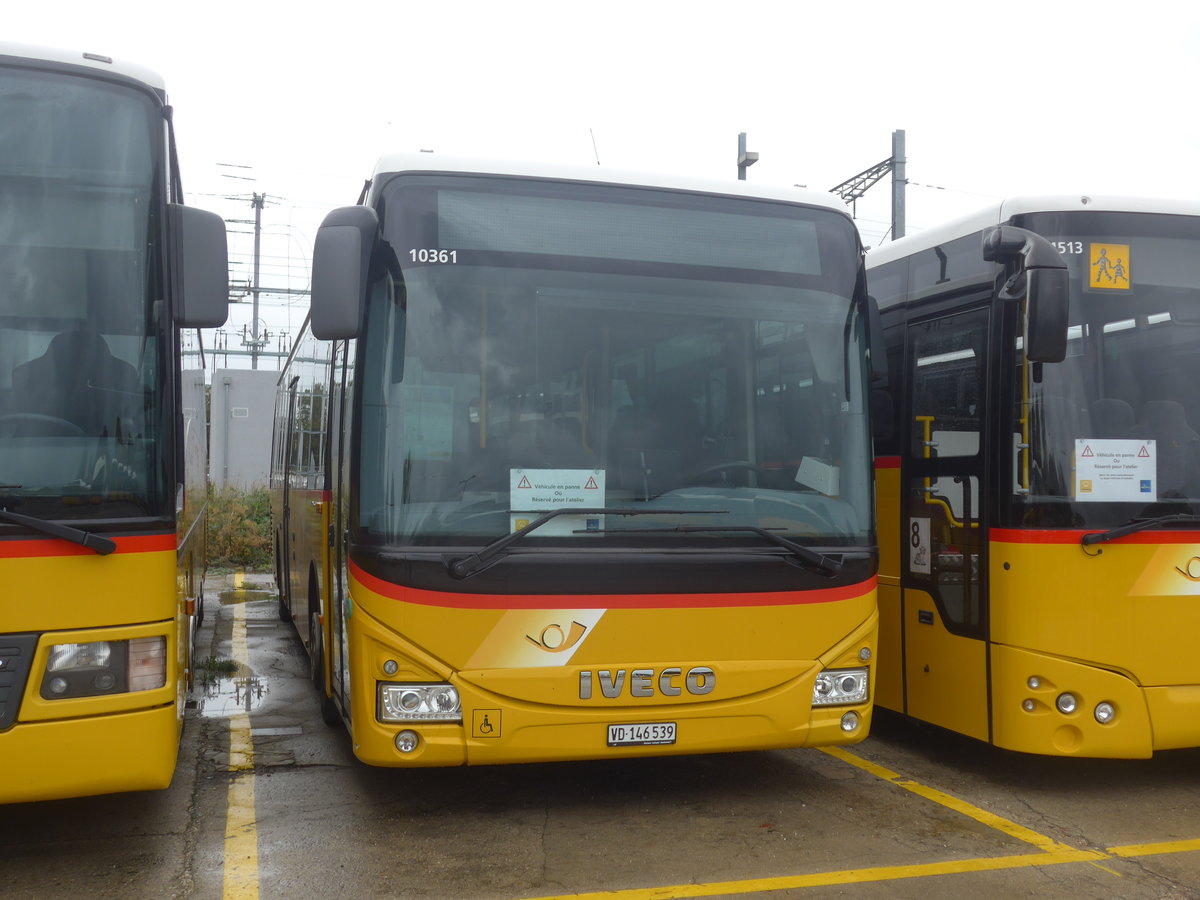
{"x":241,"y":838}
{"x":1053,"y":853}
{"x":1129,"y":850}
{"x":241,"y":832}
{"x":1113,"y":872}
{"x":991,"y":820}
{"x":846,"y":876}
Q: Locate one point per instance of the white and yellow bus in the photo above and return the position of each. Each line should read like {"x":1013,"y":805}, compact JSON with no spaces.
{"x":102,"y":438}
{"x":571,"y":464}
{"x":1038,"y":475}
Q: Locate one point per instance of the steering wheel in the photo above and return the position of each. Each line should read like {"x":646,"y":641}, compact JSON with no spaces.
{"x":37,"y":425}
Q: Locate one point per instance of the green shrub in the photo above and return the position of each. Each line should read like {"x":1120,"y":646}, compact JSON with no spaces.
{"x":239,"y":528}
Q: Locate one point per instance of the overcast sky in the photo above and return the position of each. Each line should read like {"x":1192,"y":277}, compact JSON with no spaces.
{"x":995,"y":98}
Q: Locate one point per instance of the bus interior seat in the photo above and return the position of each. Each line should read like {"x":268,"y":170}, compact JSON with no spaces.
{"x":1111,"y":418}
{"x":654,"y":450}
{"x":538,"y":443}
{"x":78,"y":380}
{"x":1177,"y":445}
{"x":547,"y":443}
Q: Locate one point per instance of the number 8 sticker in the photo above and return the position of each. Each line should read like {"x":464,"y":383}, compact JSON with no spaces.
{"x":918,"y":551}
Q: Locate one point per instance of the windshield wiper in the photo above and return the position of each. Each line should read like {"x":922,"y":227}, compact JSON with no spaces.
{"x":101,"y":545}
{"x":826,"y":564}
{"x":469,"y":565}
{"x":1133,"y":526}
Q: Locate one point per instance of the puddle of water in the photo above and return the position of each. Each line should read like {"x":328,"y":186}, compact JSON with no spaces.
{"x":220,"y":695}
{"x":245,"y":595}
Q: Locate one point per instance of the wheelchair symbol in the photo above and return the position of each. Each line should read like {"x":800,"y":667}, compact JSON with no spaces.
{"x":486,"y":723}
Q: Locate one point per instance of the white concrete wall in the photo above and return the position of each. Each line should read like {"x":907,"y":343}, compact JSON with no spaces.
{"x":242,"y":407}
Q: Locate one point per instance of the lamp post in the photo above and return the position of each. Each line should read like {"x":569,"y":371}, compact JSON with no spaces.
{"x":745,"y":158}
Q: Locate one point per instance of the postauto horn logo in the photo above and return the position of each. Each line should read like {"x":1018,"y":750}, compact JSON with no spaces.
{"x":553,"y":639}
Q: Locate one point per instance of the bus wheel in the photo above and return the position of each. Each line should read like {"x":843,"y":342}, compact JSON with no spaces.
{"x":316,"y":671}
{"x":285,"y":614}
{"x":193,"y":627}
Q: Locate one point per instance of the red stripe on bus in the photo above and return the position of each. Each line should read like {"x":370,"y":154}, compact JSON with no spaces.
{"x":1048,"y":536}
{"x":887,"y":462}
{"x":22,"y":548}
{"x":608,"y":601}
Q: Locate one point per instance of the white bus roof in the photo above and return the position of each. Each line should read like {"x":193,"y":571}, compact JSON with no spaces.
{"x":1003,"y":211}
{"x":434,"y":162}
{"x":96,"y":61}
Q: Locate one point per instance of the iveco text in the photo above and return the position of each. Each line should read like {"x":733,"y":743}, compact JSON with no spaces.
{"x":698,"y":680}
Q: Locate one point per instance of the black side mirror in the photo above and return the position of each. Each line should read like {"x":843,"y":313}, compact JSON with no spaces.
{"x":1034,"y":270}
{"x":202,"y":260}
{"x":341,"y":265}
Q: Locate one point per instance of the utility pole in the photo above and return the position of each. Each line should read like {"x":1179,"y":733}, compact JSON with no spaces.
{"x":256,"y":340}
{"x":899,"y":180}
{"x":745,"y":159}
{"x":853,"y":188}
{"x":257,"y":203}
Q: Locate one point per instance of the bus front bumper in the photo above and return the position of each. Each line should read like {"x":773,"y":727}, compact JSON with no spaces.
{"x":492,"y":733}
{"x":106,"y":754}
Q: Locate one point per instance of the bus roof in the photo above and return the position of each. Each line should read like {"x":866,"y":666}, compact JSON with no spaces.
{"x":10,"y":52}
{"x":999,"y":213}
{"x":433,"y":162}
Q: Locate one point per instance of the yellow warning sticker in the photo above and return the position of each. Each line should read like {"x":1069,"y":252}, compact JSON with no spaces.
{"x":1109,"y":266}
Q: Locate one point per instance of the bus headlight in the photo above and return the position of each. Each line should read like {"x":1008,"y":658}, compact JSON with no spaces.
{"x":835,"y":687}
{"x":419,"y":703}
{"x":68,"y":657}
{"x":96,"y":668}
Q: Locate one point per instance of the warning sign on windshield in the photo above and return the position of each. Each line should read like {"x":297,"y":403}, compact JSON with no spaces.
{"x":1115,"y":470}
{"x":1108,"y":266}
{"x":536,"y":491}
{"x":547,"y":489}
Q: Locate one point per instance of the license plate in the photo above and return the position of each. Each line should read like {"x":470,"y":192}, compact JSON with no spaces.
{"x":642,"y":734}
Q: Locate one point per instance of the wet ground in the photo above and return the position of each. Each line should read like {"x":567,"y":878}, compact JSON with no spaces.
{"x":269,"y":801}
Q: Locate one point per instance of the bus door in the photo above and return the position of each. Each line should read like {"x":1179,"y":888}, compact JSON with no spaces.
{"x":291,"y":445}
{"x":335,"y":573}
{"x":943,"y":565}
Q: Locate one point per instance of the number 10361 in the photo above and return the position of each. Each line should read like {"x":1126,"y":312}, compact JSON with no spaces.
{"x":422,"y":255}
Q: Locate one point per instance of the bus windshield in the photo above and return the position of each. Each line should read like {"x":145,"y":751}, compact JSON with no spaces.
{"x":1112,"y":430}
{"x":80,"y":338}
{"x":531,"y":347}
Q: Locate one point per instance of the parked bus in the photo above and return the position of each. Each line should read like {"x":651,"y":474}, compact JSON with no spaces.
{"x":1038,"y":475}
{"x":569,"y":465}
{"x":102,"y":437}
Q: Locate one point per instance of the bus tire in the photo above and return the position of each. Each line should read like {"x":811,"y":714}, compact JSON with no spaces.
{"x":285,"y":614}
{"x":316,"y":671}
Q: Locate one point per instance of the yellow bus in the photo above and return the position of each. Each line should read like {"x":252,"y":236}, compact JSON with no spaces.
{"x":574,"y":464}
{"x":102,"y":437}
{"x":1038,"y":475}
